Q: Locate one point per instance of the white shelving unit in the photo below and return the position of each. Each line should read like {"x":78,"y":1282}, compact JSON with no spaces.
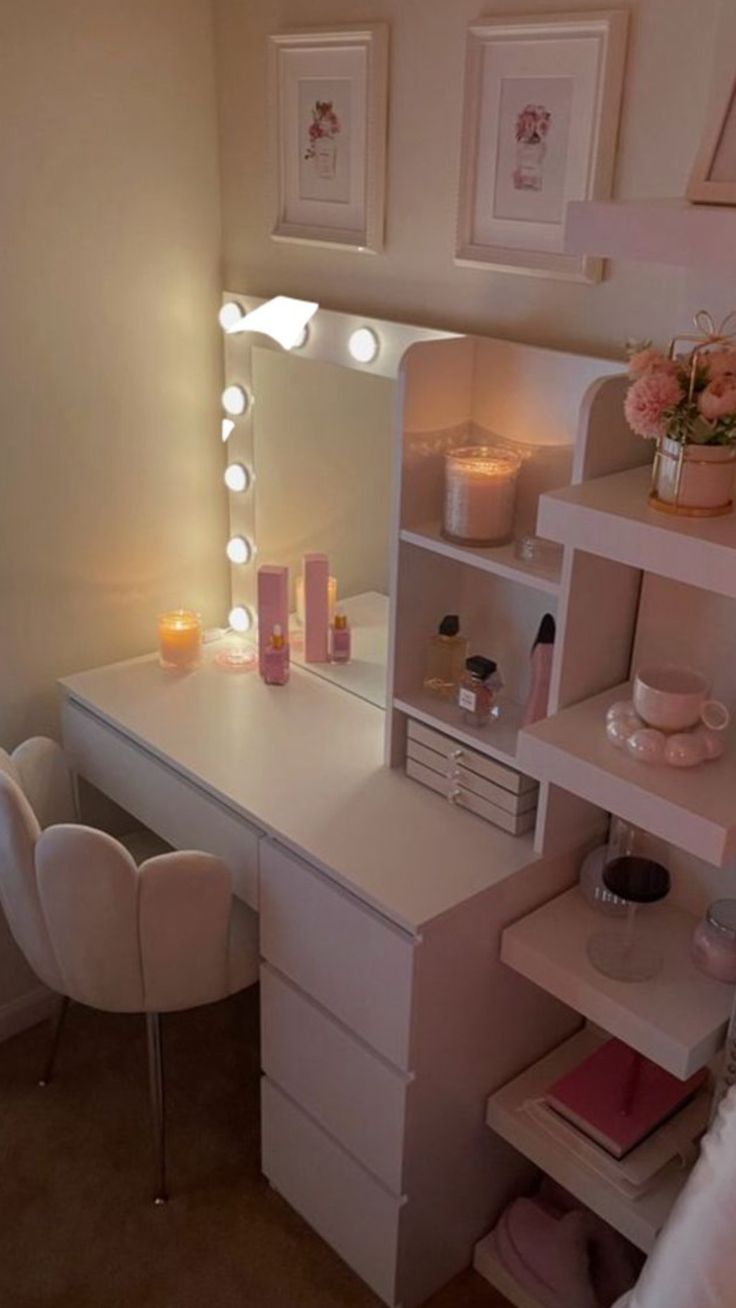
{"x":678,"y":1019}
{"x":656,"y":231}
{"x":500,"y":560}
{"x":497,"y":740}
{"x":610,"y":517}
{"x":639,"y":1219}
{"x":693,"y":808}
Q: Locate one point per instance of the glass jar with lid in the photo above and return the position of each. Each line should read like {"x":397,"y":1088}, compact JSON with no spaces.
{"x":714,"y":941}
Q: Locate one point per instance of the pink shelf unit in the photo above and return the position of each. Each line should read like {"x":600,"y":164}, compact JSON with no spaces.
{"x":655,"y":231}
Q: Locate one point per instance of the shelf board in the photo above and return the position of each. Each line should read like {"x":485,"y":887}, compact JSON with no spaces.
{"x":670,"y":231}
{"x":692,"y":808}
{"x":498,"y":559}
{"x":678,"y":1019}
{"x":639,"y":1219}
{"x":610,"y":516}
{"x":488,"y":1265}
{"x":498,"y":740}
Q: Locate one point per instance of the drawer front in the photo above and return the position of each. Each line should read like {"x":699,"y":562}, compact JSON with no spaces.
{"x":454,"y":770}
{"x":515,"y":823}
{"x":160,"y":797}
{"x":334,"y":1194}
{"x":354,"y":1095}
{"x":449,"y":749}
{"x":353,"y":962}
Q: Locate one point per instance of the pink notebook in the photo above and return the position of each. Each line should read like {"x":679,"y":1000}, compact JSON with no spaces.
{"x":617,"y":1097}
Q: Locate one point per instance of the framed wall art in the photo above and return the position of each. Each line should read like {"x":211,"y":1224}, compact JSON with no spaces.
{"x":329,"y":94}
{"x":542,"y":100}
{"x":713,"y":179}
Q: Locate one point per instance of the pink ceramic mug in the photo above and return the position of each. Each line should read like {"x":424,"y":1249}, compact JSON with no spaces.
{"x":674,"y":699}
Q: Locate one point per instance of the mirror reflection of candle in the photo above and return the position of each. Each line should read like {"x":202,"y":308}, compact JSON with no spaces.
{"x":480,"y":490}
{"x":331,"y":598}
{"x":180,"y":639}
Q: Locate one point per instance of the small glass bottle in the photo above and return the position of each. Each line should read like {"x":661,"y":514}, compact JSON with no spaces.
{"x":479,"y":688}
{"x":340,"y":639}
{"x":448,"y":650}
{"x":714,"y":941}
{"x":275,"y":669}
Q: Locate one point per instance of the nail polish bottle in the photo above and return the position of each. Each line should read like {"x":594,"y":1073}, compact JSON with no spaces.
{"x":541,"y":672}
{"x":340,"y":639}
{"x":275,"y":664}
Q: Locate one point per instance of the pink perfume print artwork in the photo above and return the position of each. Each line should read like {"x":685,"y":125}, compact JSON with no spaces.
{"x":532,"y":128}
{"x":322,"y":134}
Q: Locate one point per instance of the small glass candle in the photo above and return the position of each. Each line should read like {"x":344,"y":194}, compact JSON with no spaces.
{"x":180,"y":639}
{"x":714,"y":941}
{"x":480,"y":489}
{"x":331,"y":599}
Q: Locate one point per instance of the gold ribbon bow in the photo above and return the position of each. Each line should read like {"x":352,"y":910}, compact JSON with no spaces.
{"x":707,"y":334}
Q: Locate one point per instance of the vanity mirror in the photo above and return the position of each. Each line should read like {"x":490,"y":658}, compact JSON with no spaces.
{"x":309,"y":464}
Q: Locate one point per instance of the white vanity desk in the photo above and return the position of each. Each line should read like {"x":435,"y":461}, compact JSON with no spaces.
{"x":387,"y":1017}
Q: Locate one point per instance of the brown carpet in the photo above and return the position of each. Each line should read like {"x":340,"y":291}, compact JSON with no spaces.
{"x":77,"y":1227}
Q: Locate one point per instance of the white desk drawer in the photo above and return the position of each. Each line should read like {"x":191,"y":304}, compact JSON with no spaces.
{"x":357,"y":1097}
{"x":165,"y":801}
{"x":353,"y":962}
{"x":350,"y":1210}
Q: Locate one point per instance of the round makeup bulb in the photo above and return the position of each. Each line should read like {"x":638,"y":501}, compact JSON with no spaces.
{"x":363,"y":345}
{"x":237,"y":477}
{"x":299,"y":345}
{"x":239,"y":549}
{"x":230,"y":315}
{"x":234,"y":401}
{"x":227,"y":429}
{"x":240,"y":618}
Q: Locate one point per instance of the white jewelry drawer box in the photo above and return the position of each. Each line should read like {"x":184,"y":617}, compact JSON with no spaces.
{"x":490,"y":789}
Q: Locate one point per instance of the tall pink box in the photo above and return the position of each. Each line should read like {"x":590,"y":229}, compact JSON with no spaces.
{"x":316,"y":569}
{"x":273,"y":604}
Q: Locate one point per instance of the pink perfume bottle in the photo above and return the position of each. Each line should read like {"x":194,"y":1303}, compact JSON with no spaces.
{"x":275,"y":664}
{"x":340,"y":639}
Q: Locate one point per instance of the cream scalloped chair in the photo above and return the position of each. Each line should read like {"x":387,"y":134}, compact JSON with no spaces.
{"x":99,"y":930}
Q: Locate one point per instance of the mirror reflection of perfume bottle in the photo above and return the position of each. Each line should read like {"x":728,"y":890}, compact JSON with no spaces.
{"x":448,"y":650}
{"x":340,"y":641}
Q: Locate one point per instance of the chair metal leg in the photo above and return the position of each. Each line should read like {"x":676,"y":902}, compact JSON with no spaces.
{"x":156,"y":1082}
{"x":58,"y":1023}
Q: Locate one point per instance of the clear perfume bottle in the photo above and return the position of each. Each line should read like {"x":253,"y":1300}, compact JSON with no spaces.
{"x":448,"y":650}
{"x":478,"y":692}
{"x":275,"y":667}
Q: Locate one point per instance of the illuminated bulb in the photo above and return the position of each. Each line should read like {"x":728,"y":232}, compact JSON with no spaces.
{"x":236,"y":477}
{"x":283,"y":319}
{"x":239,"y":549}
{"x":299,"y":345}
{"x":363,"y":345}
{"x":240,"y":618}
{"x":228,"y":427}
{"x":230,"y":314}
{"x":234,"y":401}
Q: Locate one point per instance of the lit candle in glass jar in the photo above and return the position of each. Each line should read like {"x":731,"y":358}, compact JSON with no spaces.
{"x":480,"y":490}
{"x":180,"y":639}
{"x":331,"y":598}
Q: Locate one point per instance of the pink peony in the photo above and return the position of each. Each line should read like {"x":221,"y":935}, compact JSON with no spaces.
{"x":648,"y":399}
{"x":720,"y":362}
{"x":647,"y":360}
{"x":718,"y":400}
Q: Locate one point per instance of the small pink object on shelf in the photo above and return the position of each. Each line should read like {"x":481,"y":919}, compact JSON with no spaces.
{"x":541,"y":672}
{"x":340,"y":639}
{"x":714,"y":941}
{"x":273,"y":604}
{"x":275,"y":662}
{"x":316,"y":607}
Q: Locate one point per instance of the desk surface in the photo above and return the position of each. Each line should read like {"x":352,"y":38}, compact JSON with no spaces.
{"x":304,"y":763}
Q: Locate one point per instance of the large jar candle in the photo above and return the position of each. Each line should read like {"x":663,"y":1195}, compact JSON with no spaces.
{"x":480,"y":489}
{"x":180,"y":639}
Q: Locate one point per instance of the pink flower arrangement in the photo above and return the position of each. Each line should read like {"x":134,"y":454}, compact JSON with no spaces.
{"x":325,"y":124}
{"x":690,"y":398}
{"x":532,"y":124}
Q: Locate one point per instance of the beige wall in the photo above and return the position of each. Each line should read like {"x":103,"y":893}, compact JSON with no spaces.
{"x":667,"y":81}
{"x":111,"y":499}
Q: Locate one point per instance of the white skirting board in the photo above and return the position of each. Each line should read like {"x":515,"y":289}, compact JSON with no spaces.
{"x":26,"y":1010}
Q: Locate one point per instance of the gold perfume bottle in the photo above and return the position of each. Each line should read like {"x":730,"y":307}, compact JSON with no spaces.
{"x":448,"y":650}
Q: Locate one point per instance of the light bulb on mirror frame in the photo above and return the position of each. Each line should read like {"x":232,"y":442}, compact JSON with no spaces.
{"x":363,"y":345}
{"x":230,"y":314}
{"x":236,"y":477}
{"x":235,"y":400}
{"x":239,"y":549}
{"x":240,"y":619}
